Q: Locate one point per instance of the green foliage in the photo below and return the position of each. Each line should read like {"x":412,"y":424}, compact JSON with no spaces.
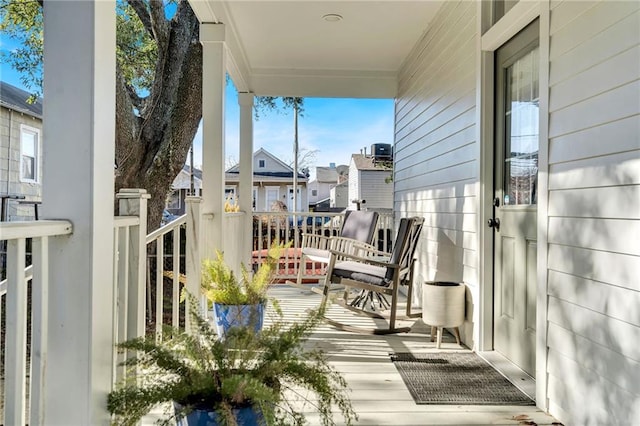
{"x":265,"y":370}
{"x":270,"y":103}
{"x":136,"y":51}
{"x":22,"y":21}
{"x":221,"y":285}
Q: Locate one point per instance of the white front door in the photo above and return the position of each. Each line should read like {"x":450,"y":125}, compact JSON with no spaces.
{"x":298,"y":199}
{"x":272,"y":195}
{"x":515,"y":202}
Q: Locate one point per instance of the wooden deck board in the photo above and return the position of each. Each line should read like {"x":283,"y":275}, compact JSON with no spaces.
{"x":379,"y":395}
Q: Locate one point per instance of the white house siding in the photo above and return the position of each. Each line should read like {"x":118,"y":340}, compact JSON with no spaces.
{"x":10,"y":183}
{"x":436,"y":165}
{"x":374,"y":189}
{"x":354,"y":187}
{"x":594,"y":212}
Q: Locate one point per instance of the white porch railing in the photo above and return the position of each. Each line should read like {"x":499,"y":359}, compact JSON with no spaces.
{"x":165,"y":254}
{"x":140,"y":261}
{"x":24,"y":364}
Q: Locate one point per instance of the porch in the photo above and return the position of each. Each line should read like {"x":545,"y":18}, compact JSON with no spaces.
{"x":379,"y":395}
{"x":89,"y":270}
{"x":146,"y":288}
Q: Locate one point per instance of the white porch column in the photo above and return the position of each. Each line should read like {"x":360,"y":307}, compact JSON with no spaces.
{"x":246,"y":172}
{"x":213,"y":178}
{"x":78,"y":184}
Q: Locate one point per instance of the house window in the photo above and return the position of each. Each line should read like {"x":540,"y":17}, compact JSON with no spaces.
{"x":29,"y":153}
{"x":314,"y":192}
{"x":175,"y":200}
{"x":261,"y":164}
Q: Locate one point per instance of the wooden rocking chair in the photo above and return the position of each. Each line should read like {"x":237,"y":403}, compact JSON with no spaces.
{"x":357,"y":227}
{"x":376,"y":275}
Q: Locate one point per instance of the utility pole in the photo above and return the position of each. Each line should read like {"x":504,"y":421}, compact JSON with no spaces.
{"x":295,"y":158}
{"x":192,"y":186}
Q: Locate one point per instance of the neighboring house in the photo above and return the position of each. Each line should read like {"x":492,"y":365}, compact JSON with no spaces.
{"x":20,"y":153}
{"x":272,"y":181}
{"x":181,"y":187}
{"x":339,"y":195}
{"x":320,"y":187}
{"x":369,"y":181}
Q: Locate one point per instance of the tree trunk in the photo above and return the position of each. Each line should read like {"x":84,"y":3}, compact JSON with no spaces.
{"x":152,"y":143}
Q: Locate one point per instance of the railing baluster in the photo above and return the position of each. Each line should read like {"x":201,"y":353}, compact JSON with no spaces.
{"x":122,"y":295}
{"x":175,"y":309}
{"x":116,"y":303}
{"x":39,"y":318}
{"x":159,"y":284}
{"x":16,"y":329}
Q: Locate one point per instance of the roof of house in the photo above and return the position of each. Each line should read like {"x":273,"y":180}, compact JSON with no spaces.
{"x":16,"y":99}
{"x":366,"y":163}
{"x":327,"y":174}
{"x":232,"y":172}
{"x":196,"y":172}
{"x":234,"y":175}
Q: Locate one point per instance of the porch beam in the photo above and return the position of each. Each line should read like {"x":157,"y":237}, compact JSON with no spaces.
{"x":212,"y":37}
{"x":78,"y":181}
{"x":246,"y":172}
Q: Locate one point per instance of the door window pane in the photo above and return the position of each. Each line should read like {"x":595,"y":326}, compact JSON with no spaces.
{"x":521,"y":131}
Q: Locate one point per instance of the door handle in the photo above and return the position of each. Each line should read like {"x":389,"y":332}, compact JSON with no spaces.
{"x":494,"y":223}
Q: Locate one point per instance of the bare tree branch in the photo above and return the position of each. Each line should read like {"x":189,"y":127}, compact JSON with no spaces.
{"x":143,"y":13}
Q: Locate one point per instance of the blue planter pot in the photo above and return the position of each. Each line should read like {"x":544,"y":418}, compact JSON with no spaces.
{"x":227,"y":316}
{"x":247,"y":416}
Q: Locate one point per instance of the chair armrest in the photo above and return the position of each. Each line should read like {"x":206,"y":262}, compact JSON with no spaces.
{"x":342,"y":244}
{"x":371,"y":261}
{"x":315,"y":241}
{"x":370,"y":250}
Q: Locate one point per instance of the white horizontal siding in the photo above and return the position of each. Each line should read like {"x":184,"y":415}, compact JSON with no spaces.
{"x":610,"y":300}
{"x":621,"y":136}
{"x":586,"y":397}
{"x":594,"y":212}
{"x":373,"y":188}
{"x":606,"y":170}
{"x":436,"y":164}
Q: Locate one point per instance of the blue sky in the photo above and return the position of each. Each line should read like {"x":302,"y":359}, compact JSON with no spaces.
{"x":336,"y":128}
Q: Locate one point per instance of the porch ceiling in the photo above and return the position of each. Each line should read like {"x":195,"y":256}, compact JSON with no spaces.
{"x":286,"y":48}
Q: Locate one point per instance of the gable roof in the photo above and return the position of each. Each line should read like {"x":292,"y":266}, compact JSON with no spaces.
{"x":366,"y":163}
{"x":15,"y":98}
{"x":232,"y":172}
{"x":236,"y":168}
{"x":196,"y":171}
{"x":327,"y":174}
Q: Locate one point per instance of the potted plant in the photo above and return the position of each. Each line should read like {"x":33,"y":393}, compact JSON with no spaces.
{"x":247,"y":378}
{"x":238,"y":301}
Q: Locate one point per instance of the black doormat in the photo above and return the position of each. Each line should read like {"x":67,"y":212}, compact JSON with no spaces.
{"x":456,"y":378}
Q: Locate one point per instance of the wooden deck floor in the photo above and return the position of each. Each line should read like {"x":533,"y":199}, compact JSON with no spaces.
{"x":379,"y":395}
